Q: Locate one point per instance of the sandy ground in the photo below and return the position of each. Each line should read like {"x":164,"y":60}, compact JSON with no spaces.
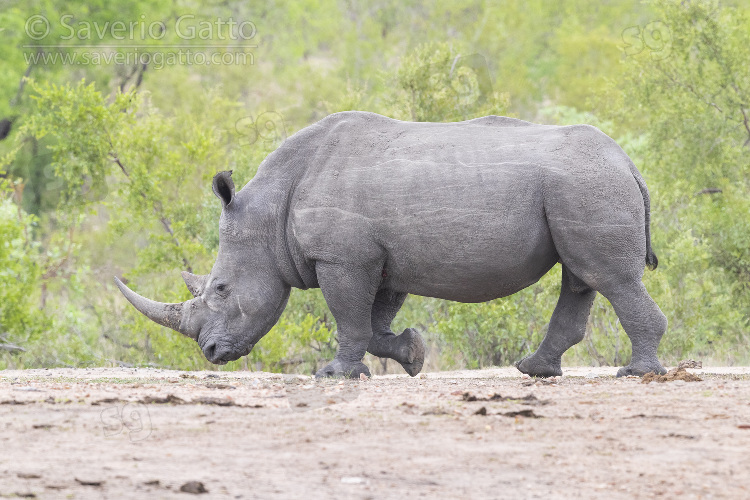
{"x":145,"y":433}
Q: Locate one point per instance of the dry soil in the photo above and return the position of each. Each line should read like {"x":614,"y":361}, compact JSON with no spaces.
{"x":145,"y":433}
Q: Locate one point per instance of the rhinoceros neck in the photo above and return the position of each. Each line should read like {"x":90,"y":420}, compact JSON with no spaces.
{"x":266,"y":199}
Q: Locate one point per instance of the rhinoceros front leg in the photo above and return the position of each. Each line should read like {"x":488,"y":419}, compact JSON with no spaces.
{"x":408,"y":348}
{"x":350,"y":293}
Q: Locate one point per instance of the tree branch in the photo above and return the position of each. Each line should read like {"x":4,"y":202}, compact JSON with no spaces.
{"x":7,"y":346}
{"x":21,"y":85}
{"x":708,"y":191}
{"x":12,"y":348}
{"x":745,"y":123}
{"x":164,"y":220}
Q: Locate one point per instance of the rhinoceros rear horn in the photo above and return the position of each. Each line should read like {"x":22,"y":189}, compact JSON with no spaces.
{"x":194,"y":282}
{"x":169,"y":315}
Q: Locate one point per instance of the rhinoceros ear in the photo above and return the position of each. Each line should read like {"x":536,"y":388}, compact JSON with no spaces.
{"x":224,"y":187}
{"x":195,"y":283}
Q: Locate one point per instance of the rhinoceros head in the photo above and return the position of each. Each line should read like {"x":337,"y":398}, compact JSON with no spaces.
{"x":240,"y":300}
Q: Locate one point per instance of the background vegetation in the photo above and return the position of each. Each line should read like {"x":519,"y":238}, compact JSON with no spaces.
{"x":105,"y":168}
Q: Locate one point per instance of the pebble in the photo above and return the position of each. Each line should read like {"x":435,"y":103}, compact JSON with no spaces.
{"x":194,"y":487}
{"x":353,"y":480}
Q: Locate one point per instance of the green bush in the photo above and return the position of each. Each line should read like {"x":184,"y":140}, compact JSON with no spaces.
{"x":21,"y":321}
{"x":117,"y":173}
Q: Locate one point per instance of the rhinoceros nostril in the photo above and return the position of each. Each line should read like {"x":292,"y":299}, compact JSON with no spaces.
{"x":209,"y":350}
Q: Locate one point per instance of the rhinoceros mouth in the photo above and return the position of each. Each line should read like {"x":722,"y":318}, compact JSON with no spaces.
{"x":224,"y":358}
{"x":220,"y":354}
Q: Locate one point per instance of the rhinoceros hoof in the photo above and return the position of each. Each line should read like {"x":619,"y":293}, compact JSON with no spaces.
{"x":532,"y":365}
{"x":639,"y":369}
{"x":415,"y":347}
{"x":342,"y":369}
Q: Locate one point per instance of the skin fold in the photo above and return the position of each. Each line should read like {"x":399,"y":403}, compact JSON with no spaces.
{"x":371,"y":209}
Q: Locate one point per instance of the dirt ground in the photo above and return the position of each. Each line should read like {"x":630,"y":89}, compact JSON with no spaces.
{"x":138,"y":433}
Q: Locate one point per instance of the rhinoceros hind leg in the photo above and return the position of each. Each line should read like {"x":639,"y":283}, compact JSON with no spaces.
{"x":566,"y":328}
{"x":408,"y":348}
{"x":640,"y":369}
{"x":644,"y":323}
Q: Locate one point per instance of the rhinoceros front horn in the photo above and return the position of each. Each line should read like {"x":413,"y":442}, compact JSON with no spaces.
{"x":169,"y":315}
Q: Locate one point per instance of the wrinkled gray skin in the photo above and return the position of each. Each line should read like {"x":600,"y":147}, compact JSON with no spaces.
{"x":371,"y":209}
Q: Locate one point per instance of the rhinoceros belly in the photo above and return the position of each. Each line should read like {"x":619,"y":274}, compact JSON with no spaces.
{"x":460,"y":231}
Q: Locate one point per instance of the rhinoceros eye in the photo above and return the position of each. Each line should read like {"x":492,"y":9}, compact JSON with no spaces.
{"x":221,"y":288}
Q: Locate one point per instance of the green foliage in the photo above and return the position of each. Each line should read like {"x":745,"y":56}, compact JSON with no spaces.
{"x":502,"y":331}
{"x":117,"y":172}
{"x":295,"y":344}
{"x":143,"y":185}
{"x":442,"y":85}
{"x":20,"y":276}
{"x":697,"y":163}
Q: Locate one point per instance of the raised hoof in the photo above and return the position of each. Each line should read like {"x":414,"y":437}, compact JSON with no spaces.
{"x":342,"y":369}
{"x":531,"y":365}
{"x":640,"y":369}
{"x":415,"y":351}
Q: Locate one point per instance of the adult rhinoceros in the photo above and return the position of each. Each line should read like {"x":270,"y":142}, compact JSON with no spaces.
{"x":370,"y":209}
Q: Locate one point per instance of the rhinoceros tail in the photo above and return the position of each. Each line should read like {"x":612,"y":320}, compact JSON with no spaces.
{"x":651,"y":260}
